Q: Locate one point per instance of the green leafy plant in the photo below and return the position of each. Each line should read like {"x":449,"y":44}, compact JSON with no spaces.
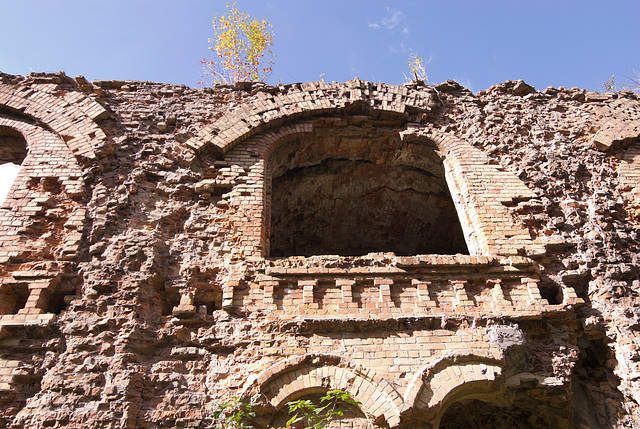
{"x":233,"y":414}
{"x":320,"y":416}
{"x":242,"y":45}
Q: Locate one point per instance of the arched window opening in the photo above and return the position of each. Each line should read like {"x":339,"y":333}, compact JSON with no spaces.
{"x":359,"y":189}
{"x":13,"y":150}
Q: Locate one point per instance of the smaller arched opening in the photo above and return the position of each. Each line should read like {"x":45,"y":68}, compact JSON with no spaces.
{"x":13,"y":151}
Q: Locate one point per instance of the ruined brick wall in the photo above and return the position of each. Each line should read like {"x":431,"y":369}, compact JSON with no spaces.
{"x":450,"y":259}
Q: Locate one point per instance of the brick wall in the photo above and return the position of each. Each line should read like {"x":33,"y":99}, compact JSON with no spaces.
{"x":138,"y":290}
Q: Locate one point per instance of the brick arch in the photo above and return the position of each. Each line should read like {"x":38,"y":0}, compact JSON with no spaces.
{"x":70,"y":115}
{"x":298,"y":376}
{"x":44,"y":148}
{"x":302,"y":101}
{"x":270,"y":141}
{"x":483,"y":193}
{"x":437,"y":385}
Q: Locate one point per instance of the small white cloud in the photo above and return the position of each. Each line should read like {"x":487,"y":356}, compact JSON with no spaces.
{"x":390,"y":22}
{"x":393,"y":19}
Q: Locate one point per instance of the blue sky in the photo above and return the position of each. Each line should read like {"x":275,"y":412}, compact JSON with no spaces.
{"x":478,"y":43}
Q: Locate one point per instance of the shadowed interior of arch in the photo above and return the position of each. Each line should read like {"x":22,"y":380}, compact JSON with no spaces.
{"x":358,"y":189}
{"x":475,"y":413}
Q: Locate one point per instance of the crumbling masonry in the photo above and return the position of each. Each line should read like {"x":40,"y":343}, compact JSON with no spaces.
{"x":452,"y":260}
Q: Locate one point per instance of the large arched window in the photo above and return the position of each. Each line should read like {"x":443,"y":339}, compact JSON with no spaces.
{"x":356,"y":189}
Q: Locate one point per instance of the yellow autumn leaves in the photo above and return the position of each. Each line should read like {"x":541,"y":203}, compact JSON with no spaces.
{"x":242,"y":45}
